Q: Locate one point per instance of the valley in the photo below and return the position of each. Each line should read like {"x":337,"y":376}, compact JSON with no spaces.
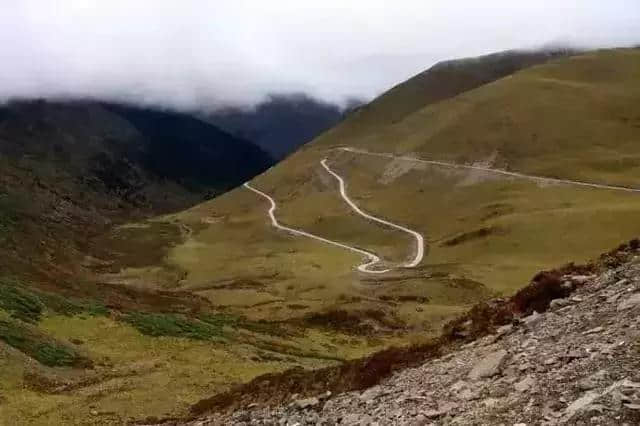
{"x":376,"y":234}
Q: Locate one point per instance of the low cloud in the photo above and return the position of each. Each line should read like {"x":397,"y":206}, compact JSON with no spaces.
{"x":193,"y":54}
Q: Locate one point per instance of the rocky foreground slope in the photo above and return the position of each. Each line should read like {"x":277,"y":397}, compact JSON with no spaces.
{"x":577,"y":363}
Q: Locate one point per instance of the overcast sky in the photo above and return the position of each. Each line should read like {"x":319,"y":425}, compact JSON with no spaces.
{"x":191,"y":53}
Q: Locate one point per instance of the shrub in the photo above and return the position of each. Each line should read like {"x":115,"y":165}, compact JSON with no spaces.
{"x":20,"y":303}
{"x":537,"y":296}
{"x":29,"y":305}
{"x":39,"y":347}
{"x":173,"y":325}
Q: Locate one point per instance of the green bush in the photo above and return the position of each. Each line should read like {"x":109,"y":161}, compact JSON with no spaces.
{"x":38,"y":346}
{"x":28,"y":305}
{"x":20,"y":303}
{"x":261,"y":327}
{"x":173,"y":325}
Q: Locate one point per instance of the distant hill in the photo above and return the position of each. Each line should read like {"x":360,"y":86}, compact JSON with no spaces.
{"x":78,"y":166}
{"x":441,"y":81}
{"x":281,"y":123}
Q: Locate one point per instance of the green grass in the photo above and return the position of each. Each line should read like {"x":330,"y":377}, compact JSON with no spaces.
{"x":38,"y":346}
{"x":21,"y":310}
{"x":21,"y":304}
{"x":204,"y":327}
{"x":174,"y":325}
{"x":260,"y":327}
{"x":29,"y":305}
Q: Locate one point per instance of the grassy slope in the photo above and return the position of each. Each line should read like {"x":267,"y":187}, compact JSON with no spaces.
{"x":442,"y":81}
{"x":574,"y":118}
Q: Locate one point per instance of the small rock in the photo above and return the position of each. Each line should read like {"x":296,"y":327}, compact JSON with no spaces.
{"x":306,"y":403}
{"x":490,"y":402}
{"x":505,"y":329}
{"x":94,"y":412}
{"x":586,"y":384}
{"x":468,"y":395}
{"x":613,"y":298}
{"x":594,"y":330}
{"x":581,"y":279}
{"x":447,"y":407}
{"x":525,"y":384}
{"x":421,"y":420}
{"x":557,"y":303}
{"x":591,"y":382}
{"x":442,"y":410}
{"x":629,"y":303}
{"x":632,"y":406}
{"x":571,"y":355}
{"x":581,"y":403}
{"x":489,"y":366}
{"x":532,"y":320}
{"x":371,"y":394}
{"x":352,"y":419}
{"x":459,"y":385}
{"x":524,"y":367}
{"x":431,"y":414}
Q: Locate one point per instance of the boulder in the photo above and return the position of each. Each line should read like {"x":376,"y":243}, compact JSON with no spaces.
{"x":630,"y":302}
{"x":489,"y":366}
{"x":305,"y":403}
{"x":525,"y":384}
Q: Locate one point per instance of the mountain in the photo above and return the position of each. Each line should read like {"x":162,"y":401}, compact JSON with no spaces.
{"x":279,"y":124}
{"x":445,"y":192}
{"x":442,"y":81}
{"x":72,"y":167}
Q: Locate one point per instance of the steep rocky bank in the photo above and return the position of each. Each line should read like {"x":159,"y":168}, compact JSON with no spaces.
{"x":577,"y":363}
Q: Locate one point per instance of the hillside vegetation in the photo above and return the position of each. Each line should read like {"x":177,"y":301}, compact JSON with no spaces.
{"x":202,"y":299}
{"x":71,"y":169}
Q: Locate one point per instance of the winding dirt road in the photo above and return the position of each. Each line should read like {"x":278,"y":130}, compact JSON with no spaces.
{"x":372,"y":258}
{"x":365,"y":267}
{"x":488,"y":169}
{"x":419,"y":239}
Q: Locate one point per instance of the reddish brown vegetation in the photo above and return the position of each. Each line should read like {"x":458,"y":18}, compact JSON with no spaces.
{"x":271,"y":389}
{"x":546,"y":286}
